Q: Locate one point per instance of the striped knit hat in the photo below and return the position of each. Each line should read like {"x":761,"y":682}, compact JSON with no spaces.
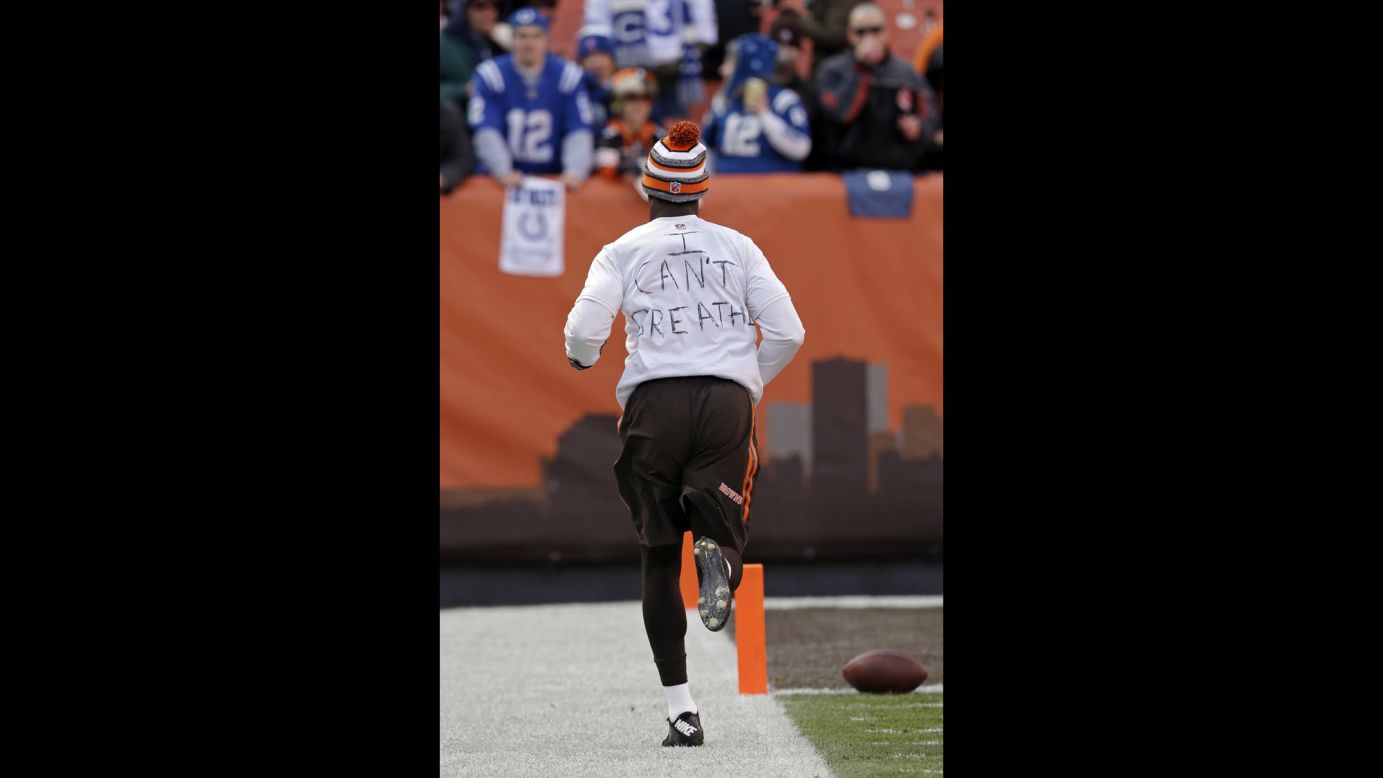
{"x":676,"y":169}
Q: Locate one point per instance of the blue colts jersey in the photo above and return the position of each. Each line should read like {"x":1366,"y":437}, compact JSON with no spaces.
{"x":534,"y":120}
{"x":736,"y":135}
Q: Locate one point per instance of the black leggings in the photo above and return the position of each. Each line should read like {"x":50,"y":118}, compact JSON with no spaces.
{"x":664,"y":614}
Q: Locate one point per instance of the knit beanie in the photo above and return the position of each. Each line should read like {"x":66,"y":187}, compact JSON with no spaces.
{"x":676,"y":169}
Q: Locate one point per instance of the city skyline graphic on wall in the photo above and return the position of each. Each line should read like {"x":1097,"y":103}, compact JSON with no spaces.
{"x":834,"y":479}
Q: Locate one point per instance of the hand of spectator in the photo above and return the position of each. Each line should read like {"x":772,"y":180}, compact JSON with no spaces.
{"x":870,"y":50}
{"x":573,"y":181}
{"x":936,"y":138}
{"x":512,"y":178}
{"x":910,"y":126}
{"x":755,"y":96}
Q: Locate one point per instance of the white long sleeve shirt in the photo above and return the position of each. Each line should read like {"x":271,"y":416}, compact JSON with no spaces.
{"x":691,"y":293}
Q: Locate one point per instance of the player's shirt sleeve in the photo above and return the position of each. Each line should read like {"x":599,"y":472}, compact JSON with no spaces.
{"x":762,"y":287}
{"x":590,"y":319}
{"x":783,"y":336}
{"x":604,"y":283}
{"x":769,"y":303}
{"x":485,"y":111}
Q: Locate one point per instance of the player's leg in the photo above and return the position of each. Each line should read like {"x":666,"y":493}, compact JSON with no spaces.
{"x":648,"y":474}
{"x":717,"y":491}
{"x":664,"y":619}
{"x":665,"y":622}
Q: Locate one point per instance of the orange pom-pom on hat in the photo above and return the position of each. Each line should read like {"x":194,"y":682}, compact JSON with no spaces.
{"x":682,"y":136}
{"x":676,"y":166}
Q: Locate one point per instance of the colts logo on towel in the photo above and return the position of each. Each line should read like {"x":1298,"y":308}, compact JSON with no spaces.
{"x":675,"y":187}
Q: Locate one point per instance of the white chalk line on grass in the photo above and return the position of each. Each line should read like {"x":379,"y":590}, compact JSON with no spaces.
{"x":854,"y":601}
{"x":933,"y":688}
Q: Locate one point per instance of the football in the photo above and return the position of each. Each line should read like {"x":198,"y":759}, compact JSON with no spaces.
{"x":884,"y":670}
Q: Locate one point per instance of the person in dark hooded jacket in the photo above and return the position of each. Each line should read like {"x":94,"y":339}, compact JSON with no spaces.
{"x":879,"y":113}
{"x":465,"y":43}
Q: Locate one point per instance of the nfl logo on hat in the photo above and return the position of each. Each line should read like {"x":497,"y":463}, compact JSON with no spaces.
{"x":675,"y":187}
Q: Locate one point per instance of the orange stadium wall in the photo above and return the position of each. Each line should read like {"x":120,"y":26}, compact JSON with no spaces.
{"x":850,"y":432}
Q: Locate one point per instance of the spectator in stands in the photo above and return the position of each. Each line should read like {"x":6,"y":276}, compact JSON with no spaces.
{"x":458,"y":65}
{"x":597,"y":57}
{"x":754,"y":126}
{"x":526,"y":105}
{"x":626,"y":140}
{"x":670,"y":47}
{"x":474,"y":28}
{"x":877,"y":111}
{"x":457,"y":160}
{"x":786,"y":74}
{"x":733,"y":19}
{"x":826,"y":27}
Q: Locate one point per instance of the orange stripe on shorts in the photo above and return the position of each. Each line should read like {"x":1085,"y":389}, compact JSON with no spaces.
{"x":752,"y":467}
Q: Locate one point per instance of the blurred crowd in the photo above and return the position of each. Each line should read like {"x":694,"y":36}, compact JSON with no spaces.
{"x":511,"y":107}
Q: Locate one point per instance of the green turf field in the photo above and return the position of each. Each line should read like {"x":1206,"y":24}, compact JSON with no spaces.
{"x":872,"y":734}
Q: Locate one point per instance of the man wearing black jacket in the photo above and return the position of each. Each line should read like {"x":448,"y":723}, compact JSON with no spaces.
{"x":877,"y":111}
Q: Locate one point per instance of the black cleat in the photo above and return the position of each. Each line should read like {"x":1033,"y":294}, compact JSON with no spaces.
{"x":714,"y":601}
{"x":685,"y":731}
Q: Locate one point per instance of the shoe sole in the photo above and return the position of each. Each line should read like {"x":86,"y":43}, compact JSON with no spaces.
{"x":715,"y":597}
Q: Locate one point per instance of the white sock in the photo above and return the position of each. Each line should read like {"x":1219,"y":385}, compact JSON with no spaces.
{"x":728,"y":572}
{"x":679,"y":700}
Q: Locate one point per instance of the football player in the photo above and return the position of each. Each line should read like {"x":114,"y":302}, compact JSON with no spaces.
{"x":692,"y":293}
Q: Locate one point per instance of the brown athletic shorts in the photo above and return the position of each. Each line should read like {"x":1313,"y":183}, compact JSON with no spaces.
{"x":689,"y":461}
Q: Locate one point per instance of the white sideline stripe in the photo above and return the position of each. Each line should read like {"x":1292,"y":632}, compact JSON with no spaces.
{"x":926,"y":688}
{"x":854,"y":601}
{"x":572,"y":690}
